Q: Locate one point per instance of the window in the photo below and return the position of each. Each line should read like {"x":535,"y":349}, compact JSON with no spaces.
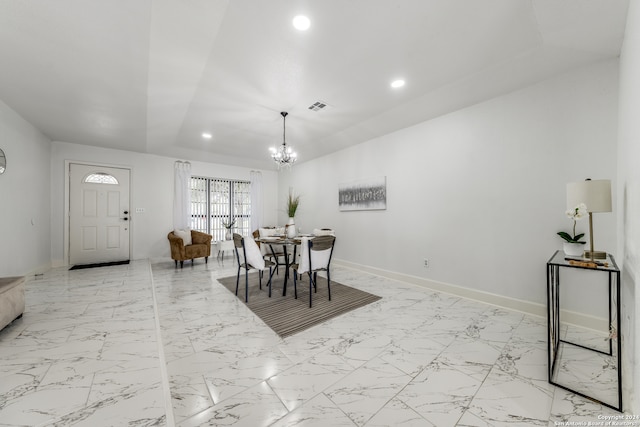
{"x":101,"y":178}
{"x":214,"y":201}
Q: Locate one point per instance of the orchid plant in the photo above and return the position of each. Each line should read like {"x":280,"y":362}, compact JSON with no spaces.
{"x":574,"y":214}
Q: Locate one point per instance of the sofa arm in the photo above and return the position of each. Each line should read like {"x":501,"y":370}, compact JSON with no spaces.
{"x":177,"y":247}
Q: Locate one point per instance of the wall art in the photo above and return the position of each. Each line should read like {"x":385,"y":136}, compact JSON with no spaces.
{"x":363,"y":194}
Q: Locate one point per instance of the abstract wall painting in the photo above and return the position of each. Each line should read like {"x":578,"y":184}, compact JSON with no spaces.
{"x":363,"y":194}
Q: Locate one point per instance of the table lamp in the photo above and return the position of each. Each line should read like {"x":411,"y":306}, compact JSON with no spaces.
{"x":596,"y":194}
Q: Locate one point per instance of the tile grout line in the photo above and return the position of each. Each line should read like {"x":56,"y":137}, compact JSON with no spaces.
{"x":166,"y":390}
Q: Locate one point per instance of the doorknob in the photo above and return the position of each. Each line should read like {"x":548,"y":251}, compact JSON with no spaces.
{"x":125,"y":218}
{"x":126,"y":212}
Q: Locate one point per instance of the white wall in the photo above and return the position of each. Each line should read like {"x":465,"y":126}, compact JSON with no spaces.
{"x":24,"y":197}
{"x":628,"y":206}
{"x":152,"y":189}
{"x":479,"y":192}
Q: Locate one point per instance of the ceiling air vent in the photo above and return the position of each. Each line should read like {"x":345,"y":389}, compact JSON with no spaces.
{"x":318,"y":105}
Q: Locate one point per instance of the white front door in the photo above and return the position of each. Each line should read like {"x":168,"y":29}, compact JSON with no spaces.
{"x":98,"y":214}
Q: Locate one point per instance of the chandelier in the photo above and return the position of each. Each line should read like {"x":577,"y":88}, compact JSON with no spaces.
{"x":283,"y":156}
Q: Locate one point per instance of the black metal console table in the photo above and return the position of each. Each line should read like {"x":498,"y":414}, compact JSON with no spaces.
{"x":557,"y":262}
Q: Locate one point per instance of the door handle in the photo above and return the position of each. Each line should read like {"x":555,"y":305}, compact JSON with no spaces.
{"x":125,"y":218}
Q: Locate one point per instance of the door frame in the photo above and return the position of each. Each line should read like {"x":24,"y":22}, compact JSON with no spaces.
{"x":67,"y":203}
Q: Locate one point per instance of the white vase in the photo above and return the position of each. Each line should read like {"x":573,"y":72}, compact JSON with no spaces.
{"x":573,"y":249}
{"x":291,"y":228}
{"x":228,"y":235}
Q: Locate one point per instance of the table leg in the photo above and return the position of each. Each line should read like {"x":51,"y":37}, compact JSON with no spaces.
{"x":286,"y":269}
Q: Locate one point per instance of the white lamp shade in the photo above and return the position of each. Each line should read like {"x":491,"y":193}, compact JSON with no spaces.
{"x":596,"y":194}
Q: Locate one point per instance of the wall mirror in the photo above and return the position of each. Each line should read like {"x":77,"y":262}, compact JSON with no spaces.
{"x":3,"y":162}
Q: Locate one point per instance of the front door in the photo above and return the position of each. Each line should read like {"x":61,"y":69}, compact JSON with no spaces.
{"x":98,"y":214}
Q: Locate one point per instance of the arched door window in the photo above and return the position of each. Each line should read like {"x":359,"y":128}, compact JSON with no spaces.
{"x":100,"y":178}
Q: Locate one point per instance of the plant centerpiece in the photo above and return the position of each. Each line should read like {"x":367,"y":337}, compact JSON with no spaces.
{"x":229,"y":225}
{"x":293,"y":202}
{"x":573,"y":245}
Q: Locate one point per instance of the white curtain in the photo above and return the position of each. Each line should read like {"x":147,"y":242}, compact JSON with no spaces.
{"x":256,"y":200}
{"x":181,"y":196}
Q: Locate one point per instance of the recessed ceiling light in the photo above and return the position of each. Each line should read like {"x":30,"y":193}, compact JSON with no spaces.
{"x":206,"y":135}
{"x":301,"y":23}
{"x":397,"y":83}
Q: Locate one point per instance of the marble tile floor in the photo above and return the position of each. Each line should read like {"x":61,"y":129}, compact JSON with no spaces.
{"x":151,"y":345}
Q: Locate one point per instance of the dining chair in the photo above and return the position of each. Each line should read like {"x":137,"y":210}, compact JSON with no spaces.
{"x":274,"y":253}
{"x":251,"y":260}
{"x":324,"y":232}
{"x":315,"y":256}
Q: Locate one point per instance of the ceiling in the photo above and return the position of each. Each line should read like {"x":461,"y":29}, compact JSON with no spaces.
{"x":152,"y":75}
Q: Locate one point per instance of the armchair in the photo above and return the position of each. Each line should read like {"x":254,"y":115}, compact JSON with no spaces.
{"x":200,"y":247}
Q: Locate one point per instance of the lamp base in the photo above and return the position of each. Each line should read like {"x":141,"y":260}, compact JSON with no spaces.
{"x":595,"y":254}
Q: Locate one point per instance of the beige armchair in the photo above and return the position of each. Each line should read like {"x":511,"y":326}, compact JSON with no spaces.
{"x":200,"y":247}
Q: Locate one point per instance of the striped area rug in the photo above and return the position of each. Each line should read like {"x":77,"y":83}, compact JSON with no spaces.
{"x":286,"y":315}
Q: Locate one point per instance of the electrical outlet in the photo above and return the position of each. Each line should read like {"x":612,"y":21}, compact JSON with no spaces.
{"x":426,"y":263}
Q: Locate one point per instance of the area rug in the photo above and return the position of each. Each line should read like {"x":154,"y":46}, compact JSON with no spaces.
{"x":286,"y":315}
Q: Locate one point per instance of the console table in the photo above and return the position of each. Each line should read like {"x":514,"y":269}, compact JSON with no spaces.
{"x":557,"y":345}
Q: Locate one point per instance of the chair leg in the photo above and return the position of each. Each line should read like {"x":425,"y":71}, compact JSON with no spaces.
{"x":176,"y":263}
{"x":181,"y":264}
{"x":315,"y":282}
{"x":206,"y":260}
{"x":295,"y":284}
{"x":269,"y":282}
{"x":311,"y":284}
{"x":237,"y":279}
{"x":260,"y":278}
{"x":246,"y":285}
{"x":329,"y":284}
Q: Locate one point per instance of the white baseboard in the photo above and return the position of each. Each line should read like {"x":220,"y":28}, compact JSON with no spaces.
{"x":585,"y":321}
{"x":40,"y":269}
{"x":59,"y":263}
{"x":523,"y":306}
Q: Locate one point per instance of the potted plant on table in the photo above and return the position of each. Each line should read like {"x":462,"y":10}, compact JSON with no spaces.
{"x":573,"y":246}
{"x":229,"y":225}
{"x":293,"y":202}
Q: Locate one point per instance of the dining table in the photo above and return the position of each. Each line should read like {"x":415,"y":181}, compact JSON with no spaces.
{"x":286,"y":243}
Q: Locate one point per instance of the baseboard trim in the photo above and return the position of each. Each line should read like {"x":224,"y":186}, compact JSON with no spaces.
{"x":523,"y":306}
{"x":41,"y":269}
{"x":486,"y":297}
